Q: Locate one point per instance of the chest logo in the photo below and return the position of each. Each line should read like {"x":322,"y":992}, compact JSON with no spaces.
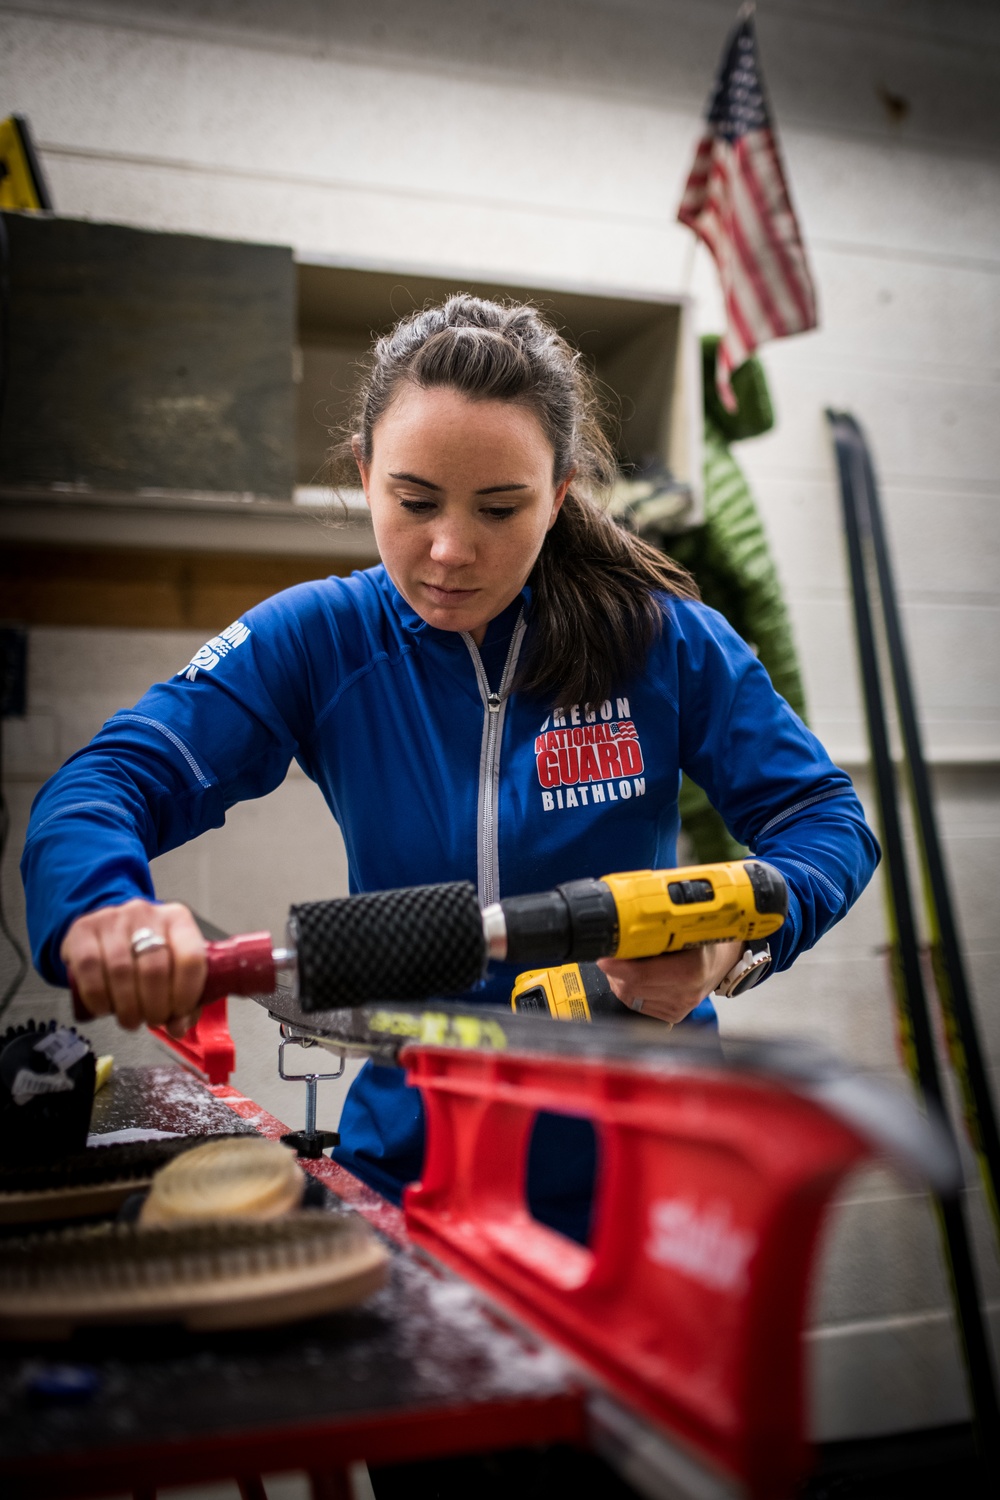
{"x":583,"y":757}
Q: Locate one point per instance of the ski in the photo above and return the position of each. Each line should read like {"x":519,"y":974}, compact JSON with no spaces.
{"x":911,"y":998}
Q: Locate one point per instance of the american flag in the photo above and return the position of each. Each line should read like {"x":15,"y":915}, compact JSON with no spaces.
{"x":736,"y":200}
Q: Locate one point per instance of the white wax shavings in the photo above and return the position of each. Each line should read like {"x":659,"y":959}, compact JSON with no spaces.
{"x":382,"y":1215}
{"x":63,"y":1048}
{"x":449,"y":1325}
{"x":28,"y":1085}
{"x":163,"y":1098}
{"x":134,"y":1133}
{"x":184,"y":1097}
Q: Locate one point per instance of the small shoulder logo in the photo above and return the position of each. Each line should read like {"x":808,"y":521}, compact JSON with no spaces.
{"x":587,"y":756}
{"x":209,"y":656}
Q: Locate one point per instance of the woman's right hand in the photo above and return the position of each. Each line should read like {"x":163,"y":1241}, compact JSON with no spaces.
{"x":160,"y":986}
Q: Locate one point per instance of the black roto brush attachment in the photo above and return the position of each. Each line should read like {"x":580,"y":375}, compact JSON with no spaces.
{"x":392,"y":945}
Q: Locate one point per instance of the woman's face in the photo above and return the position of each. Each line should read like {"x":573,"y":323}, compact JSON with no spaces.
{"x":461,"y":495}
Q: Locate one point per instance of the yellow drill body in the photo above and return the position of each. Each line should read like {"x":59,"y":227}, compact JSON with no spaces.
{"x":663,"y":911}
{"x":659,"y":911}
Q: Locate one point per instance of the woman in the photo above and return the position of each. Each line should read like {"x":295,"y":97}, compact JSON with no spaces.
{"x":510,"y":698}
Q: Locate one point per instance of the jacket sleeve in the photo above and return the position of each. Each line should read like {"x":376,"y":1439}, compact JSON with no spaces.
{"x":224,"y":729}
{"x":769,"y":776}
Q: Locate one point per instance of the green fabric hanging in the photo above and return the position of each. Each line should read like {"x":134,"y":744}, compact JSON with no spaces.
{"x":730,"y":559}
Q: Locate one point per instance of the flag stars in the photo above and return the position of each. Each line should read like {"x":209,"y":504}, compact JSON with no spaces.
{"x":738,"y":100}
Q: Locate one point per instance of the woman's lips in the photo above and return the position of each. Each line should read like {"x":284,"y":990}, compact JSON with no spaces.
{"x":449,"y":595}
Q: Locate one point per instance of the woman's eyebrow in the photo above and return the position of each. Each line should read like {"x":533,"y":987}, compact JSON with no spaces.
{"x":424,"y":484}
{"x":490,"y":489}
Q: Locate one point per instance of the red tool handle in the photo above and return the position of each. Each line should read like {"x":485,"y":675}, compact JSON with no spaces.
{"x":241,"y":965}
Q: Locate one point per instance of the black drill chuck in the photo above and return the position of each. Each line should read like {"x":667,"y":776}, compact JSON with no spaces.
{"x":576,"y":921}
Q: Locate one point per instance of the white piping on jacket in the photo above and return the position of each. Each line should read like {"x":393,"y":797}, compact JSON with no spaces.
{"x":177,"y":743}
{"x":838,"y":791}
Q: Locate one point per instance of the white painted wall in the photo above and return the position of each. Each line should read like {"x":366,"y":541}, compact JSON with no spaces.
{"x":550,"y":140}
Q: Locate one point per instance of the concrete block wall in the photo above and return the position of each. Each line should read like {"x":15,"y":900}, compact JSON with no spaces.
{"x":550,"y":141}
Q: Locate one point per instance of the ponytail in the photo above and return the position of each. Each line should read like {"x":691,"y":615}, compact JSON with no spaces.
{"x":594,"y":610}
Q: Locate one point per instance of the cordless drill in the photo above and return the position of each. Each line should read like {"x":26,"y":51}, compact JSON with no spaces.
{"x":435,"y":940}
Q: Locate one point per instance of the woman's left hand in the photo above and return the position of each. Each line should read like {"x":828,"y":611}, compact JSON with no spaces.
{"x":670,"y":986}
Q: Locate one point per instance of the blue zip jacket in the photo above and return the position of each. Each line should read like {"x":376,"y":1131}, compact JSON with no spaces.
{"x":435,"y":771}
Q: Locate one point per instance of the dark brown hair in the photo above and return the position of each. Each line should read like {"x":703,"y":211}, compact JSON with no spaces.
{"x":593,"y":612}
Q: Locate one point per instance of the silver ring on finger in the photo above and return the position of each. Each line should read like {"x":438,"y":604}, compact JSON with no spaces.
{"x":636,"y":1004}
{"x":145,"y":940}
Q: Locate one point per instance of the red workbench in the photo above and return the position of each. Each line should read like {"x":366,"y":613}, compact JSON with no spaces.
{"x":422,"y":1368}
{"x":672,"y":1341}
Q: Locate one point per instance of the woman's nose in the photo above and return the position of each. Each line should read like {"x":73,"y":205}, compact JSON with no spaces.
{"x":452,"y":545}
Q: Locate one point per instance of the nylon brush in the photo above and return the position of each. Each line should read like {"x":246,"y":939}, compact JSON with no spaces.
{"x":96,"y":1180}
{"x":219,"y":1274}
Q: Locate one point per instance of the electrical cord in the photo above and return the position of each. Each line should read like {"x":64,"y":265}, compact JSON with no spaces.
{"x":4,"y":314}
{"x":21,"y":957}
{"x":4,"y":367}
{"x":21,"y":968}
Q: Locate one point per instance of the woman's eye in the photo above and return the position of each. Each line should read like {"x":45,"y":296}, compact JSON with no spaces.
{"x":499,"y":512}
{"x":417,"y":507}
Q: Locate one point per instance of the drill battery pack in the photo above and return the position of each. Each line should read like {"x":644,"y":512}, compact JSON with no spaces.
{"x":571,"y":992}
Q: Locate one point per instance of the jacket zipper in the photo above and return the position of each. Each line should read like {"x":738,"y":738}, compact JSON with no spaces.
{"x":495,"y":705}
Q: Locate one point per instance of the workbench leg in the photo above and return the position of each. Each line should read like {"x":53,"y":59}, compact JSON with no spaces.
{"x":332,"y":1484}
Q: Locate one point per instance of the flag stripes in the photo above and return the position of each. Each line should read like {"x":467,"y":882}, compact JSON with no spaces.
{"x":736,"y":200}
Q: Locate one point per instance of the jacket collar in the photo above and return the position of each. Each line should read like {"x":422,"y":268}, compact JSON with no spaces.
{"x":408,"y":617}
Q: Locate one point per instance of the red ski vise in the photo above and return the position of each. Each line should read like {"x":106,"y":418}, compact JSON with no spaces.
{"x":689,"y":1301}
{"x":207,"y":1047}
